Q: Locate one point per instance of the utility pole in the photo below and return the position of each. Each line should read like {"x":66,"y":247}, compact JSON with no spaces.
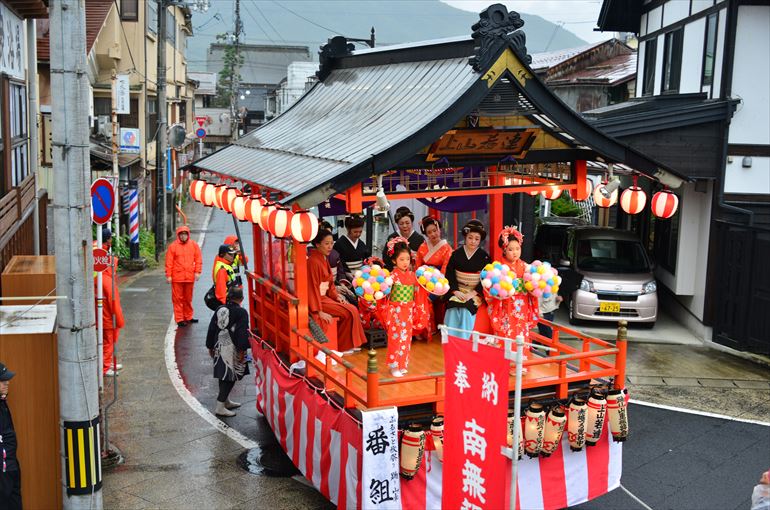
{"x":34,"y":144}
{"x":235,"y":82}
{"x":77,"y":351}
{"x":115,"y":170}
{"x":160,"y":146}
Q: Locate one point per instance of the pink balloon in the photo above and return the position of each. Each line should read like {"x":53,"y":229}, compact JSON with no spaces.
{"x":536,"y":263}
{"x":496,"y":286}
{"x":537,"y":292}
{"x":527,"y":276}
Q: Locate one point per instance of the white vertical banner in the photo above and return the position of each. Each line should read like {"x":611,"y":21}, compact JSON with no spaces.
{"x":122,"y":94}
{"x":380,"y":482}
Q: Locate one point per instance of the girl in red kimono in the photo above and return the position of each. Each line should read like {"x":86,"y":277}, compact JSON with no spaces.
{"x":325,"y":303}
{"x":405,"y":310}
{"x":435,"y":252}
{"x":518,"y":314}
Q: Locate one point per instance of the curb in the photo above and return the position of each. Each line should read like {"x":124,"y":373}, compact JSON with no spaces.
{"x":759,"y":359}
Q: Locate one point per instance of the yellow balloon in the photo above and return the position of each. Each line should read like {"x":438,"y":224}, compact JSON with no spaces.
{"x":489,"y":267}
{"x":422,"y":280}
{"x":359,"y":281}
{"x":444,"y":281}
{"x":541,"y":284}
{"x":529,"y":286}
{"x":429,"y":285}
{"x":540,"y":269}
{"x":374,"y":272}
{"x":554,"y":289}
{"x":376,"y":286}
{"x":368,"y":297}
{"x":386,"y":273}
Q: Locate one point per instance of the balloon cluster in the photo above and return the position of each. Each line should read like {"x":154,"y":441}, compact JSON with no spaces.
{"x":541,"y":279}
{"x":372,"y":283}
{"x":499,"y":280}
{"x":432,"y":280}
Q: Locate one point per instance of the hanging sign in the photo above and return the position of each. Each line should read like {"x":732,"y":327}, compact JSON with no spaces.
{"x":482,"y":142}
{"x":474,"y":426}
{"x":12,"y":43}
{"x":381,"y":485}
{"x":130,"y":141}
{"x":122,"y":95}
{"x":102,"y":201}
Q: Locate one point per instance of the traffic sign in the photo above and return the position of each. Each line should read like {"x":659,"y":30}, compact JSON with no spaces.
{"x":102,"y":201}
{"x":201,"y":120}
{"x":101,"y":259}
{"x":200,"y":133}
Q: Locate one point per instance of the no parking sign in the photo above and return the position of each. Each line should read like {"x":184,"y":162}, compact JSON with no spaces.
{"x":102,"y":201}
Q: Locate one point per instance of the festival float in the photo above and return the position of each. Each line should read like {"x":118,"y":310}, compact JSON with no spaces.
{"x":460,"y":123}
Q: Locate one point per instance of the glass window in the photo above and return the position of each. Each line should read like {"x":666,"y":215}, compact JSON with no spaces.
{"x":170,"y":28}
{"x":710,"y":50}
{"x":129,"y":10}
{"x":612,"y":256}
{"x":672,"y":61}
{"x":152,"y":119}
{"x":665,"y":242}
{"x":152,"y":17}
{"x":650,"y":49}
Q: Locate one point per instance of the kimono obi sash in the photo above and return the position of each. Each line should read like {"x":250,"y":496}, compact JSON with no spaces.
{"x":354,"y":265}
{"x":402,"y":293}
{"x":323,"y":288}
{"x":467,"y":282}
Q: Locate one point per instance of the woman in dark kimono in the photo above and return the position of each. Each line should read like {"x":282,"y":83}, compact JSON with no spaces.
{"x":404,"y":218}
{"x":227,"y":341}
{"x":351,"y":248}
{"x":463,"y":272}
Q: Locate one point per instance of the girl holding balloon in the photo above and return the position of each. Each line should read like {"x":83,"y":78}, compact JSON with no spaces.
{"x":519,"y":313}
{"x":405,"y":309}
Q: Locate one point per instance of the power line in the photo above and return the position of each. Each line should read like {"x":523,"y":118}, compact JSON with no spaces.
{"x":248,"y":11}
{"x":306,"y":19}
{"x":268,"y":21}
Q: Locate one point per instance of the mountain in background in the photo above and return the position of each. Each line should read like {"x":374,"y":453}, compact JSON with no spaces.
{"x":311,"y":23}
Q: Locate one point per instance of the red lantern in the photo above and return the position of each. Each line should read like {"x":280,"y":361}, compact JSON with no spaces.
{"x":197,"y":188}
{"x":220,"y":189}
{"x":254,"y":208}
{"x":210,"y":195}
{"x":239,"y":207}
{"x":227,"y":197}
{"x":633,"y":200}
{"x":279,"y":222}
{"x":664,"y":204}
{"x":589,"y":188}
{"x":604,"y":202}
{"x":304,"y":226}
{"x":551,"y":193}
{"x":264,"y":215}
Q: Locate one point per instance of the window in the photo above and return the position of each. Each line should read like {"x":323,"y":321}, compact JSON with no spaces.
{"x":152,"y":17}
{"x":710,"y":50}
{"x":152,"y":119}
{"x":672,"y":61}
{"x":665,"y":241}
{"x":650,"y":49}
{"x":129,"y":10}
{"x":171,"y":28}
{"x":17,"y":135}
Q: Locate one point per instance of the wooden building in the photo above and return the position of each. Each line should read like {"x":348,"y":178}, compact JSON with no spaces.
{"x":703,"y":107}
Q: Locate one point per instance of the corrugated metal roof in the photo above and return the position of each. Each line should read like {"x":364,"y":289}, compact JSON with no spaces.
{"x":613,"y":71}
{"x":342,"y":122}
{"x":542,"y":61}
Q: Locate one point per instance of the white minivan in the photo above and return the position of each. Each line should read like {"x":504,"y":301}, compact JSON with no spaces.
{"x":617,"y":276}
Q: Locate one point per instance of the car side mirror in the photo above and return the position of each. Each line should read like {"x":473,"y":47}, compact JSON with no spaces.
{"x":564,"y":263}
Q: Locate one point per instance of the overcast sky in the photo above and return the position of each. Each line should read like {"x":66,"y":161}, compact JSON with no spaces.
{"x":578,"y":16}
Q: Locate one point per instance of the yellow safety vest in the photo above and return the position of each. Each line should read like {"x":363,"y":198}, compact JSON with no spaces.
{"x":230,"y":272}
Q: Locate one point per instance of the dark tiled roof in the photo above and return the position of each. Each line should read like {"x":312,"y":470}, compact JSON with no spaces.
{"x":96,"y":13}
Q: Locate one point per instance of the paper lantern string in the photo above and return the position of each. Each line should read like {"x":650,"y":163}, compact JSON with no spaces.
{"x":393,"y":242}
{"x":511,"y":231}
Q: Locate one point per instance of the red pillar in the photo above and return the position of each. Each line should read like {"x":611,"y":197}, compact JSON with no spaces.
{"x":495,"y":214}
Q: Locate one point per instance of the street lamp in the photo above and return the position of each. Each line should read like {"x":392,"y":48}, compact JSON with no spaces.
{"x":610,"y":188}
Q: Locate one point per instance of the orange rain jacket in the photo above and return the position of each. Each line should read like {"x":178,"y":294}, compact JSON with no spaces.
{"x":183,"y":260}
{"x":110,"y":303}
{"x":231,"y":240}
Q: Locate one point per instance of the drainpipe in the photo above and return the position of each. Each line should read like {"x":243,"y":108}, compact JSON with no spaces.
{"x":34,"y":146}
{"x":727,"y":85}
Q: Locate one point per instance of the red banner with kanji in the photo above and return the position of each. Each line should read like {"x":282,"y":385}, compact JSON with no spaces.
{"x":474,"y":426}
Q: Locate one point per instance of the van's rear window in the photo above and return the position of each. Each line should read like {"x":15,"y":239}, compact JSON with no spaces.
{"x":611,"y":256}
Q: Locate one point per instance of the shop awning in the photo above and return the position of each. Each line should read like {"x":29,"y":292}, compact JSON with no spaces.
{"x":374,"y":110}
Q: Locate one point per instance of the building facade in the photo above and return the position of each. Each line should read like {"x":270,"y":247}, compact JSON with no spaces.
{"x":702,"y":106}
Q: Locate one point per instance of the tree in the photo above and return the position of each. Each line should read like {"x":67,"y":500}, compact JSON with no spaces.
{"x":230,"y":76}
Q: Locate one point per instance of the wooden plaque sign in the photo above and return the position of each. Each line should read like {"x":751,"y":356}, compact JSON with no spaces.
{"x":483,"y":142}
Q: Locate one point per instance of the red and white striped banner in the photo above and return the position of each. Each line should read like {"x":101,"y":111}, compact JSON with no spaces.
{"x":322,"y":441}
{"x":325,"y":444}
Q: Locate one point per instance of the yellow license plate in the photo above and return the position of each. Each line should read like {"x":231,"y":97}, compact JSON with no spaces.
{"x":609,"y":307}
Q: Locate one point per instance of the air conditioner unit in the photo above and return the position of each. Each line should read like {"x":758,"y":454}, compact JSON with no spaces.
{"x":104,"y":126}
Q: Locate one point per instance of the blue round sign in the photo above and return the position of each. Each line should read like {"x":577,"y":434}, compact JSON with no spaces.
{"x":200,"y":133}
{"x":102,"y":201}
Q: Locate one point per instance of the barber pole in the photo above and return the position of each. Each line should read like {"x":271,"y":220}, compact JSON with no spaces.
{"x":133,"y":222}
{"x":664,"y":204}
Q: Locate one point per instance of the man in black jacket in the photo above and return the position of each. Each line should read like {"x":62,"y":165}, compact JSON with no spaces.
{"x":10,"y":474}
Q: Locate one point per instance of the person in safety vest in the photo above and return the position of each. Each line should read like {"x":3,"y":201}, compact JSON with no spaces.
{"x":110,"y":306}
{"x":183,"y":268}
{"x":223,"y":272}
{"x":237,"y":261}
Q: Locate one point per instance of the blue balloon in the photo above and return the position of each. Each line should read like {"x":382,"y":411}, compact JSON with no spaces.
{"x":365,"y":276}
{"x":493,"y":291}
{"x":380,"y":279}
{"x":419,"y":272}
{"x":483,"y":273}
{"x":550,"y":281}
{"x":495,"y":279}
{"x":546,"y":264}
{"x":360,"y":291}
{"x":386,"y":291}
{"x":546,"y":295}
{"x":533,"y":269}
{"x":498,"y":265}
{"x":434,"y":280}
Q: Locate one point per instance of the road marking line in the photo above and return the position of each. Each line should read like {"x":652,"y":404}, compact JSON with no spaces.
{"x":176,"y":377}
{"x":701,"y":413}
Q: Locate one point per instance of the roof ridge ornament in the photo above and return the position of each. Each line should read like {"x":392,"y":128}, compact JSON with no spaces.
{"x":336,"y":47}
{"x":496,"y":29}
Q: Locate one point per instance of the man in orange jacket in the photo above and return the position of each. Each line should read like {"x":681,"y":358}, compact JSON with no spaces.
{"x":110,"y":306}
{"x":183,"y":267}
{"x":238,"y":261}
{"x":223,"y":272}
